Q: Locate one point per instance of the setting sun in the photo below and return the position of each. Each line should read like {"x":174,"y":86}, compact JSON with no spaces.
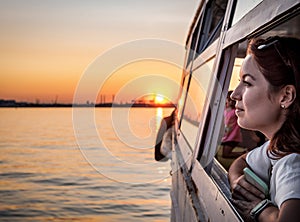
{"x":160,"y":99}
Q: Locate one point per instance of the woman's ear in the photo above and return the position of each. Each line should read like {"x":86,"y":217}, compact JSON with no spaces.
{"x":288,"y":95}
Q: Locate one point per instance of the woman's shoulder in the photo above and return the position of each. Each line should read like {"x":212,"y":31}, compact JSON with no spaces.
{"x":287,"y":164}
{"x":286,"y":178}
{"x":291,"y":161}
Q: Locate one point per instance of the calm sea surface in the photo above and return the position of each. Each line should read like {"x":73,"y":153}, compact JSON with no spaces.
{"x":88,"y":164}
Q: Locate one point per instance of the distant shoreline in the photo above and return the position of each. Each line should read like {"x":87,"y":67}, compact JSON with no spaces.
{"x":14,"y":104}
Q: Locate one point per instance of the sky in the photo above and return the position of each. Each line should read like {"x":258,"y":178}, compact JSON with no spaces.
{"x":47,"y":46}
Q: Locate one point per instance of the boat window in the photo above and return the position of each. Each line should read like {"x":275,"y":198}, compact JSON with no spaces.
{"x":242,"y":8}
{"x":229,"y":150}
{"x":182,"y":98}
{"x":207,"y":28}
{"x":212,"y":23}
{"x":196,"y":97}
{"x":194,"y":39}
{"x":217,"y":169}
{"x":249,"y":139}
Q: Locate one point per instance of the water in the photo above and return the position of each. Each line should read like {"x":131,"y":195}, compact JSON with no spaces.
{"x":57,"y":165}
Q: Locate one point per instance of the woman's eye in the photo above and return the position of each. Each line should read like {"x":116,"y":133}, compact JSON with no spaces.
{"x":246,"y":83}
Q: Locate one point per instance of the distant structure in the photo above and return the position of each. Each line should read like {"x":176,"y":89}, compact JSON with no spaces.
{"x":7,"y":103}
{"x":134,"y":103}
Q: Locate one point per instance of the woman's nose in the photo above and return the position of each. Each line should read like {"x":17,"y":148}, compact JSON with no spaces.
{"x":235,"y":95}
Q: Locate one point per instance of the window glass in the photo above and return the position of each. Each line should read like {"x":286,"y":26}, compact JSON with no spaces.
{"x":229,"y":150}
{"x":181,"y":100}
{"x":242,"y":8}
{"x":194,"y":42}
{"x":197,"y":92}
{"x":212,"y":23}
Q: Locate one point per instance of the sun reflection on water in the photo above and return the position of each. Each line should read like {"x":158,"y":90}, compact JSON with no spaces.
{"x":159,"y":116}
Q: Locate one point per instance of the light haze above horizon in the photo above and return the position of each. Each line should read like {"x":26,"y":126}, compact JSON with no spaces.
{"x":47,"y":45}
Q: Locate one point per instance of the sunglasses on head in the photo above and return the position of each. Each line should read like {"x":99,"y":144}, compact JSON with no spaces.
{"x":274,"y":41}
{"x":282,"y":53}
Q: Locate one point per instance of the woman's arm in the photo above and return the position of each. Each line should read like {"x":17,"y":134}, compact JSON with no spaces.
{"x":238,"y":183}
{"x":245,"y":195}
{"x":289,"y":211}
{"x":235,"y":172}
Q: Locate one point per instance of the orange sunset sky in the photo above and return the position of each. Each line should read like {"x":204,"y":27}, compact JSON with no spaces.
{"x":46,"y":46}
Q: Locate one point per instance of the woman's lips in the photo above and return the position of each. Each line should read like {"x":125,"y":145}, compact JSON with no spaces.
{"x":238,"y":111}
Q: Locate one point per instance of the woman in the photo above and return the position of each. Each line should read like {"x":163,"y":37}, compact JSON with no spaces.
{"x":268,"y":100}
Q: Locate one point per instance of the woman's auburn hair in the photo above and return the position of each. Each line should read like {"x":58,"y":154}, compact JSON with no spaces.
{"x":275,"y":70}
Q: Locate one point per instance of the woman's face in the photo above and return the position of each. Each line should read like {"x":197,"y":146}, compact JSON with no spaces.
{"x":256,"y":108}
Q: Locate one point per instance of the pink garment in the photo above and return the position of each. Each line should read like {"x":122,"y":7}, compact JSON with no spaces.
{"x":232,"y":129}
